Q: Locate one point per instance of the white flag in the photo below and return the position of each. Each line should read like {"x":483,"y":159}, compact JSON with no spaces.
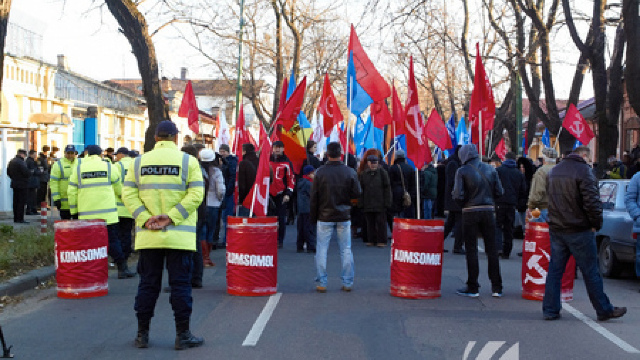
{"x":224,"y":136}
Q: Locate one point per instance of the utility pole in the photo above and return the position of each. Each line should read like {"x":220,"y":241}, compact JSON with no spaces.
{"x":239,"y":81}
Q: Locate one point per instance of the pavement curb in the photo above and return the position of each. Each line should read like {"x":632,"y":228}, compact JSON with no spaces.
{"x":28,"y":281}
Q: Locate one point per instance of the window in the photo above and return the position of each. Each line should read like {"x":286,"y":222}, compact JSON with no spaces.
{"x":608,"y":192}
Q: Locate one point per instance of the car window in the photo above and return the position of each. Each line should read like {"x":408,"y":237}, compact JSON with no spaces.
{"x":608,"y":192}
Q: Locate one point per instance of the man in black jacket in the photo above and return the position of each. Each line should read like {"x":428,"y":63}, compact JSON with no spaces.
{"x":454,"y":210}
{"x":247,"y":170}
{"x":333,"y":188}
{"x":475,"y":187}
{"x":229,"y":168}
{"x":575,"y":214}
{"x":515,"y":196}
{"x":19,"y":174}
{"x":403,"y":178}
{"x":34,"y":183}
{"x":45,"y":169}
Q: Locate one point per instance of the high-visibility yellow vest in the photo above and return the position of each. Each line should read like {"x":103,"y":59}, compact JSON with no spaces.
{"x":93,"y":187}
{"x":123,"y":166}
{"x":60,"y":172}
{"x":164,"y":181}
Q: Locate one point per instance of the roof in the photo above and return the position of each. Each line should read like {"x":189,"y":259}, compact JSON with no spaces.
{"x":201,"y":87}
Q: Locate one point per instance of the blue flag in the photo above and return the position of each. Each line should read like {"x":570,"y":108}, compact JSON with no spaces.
{"x":524,"y":145}
{"x":546,"y":139}
{"x":359,"y":133}
{"x":451,"y":129}
{"x":462,"y":134}
{"x":577,"y":143}
{"x":357,"y":99}
{"x":378,"y":136}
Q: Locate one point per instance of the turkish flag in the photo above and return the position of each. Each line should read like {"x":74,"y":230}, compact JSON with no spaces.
{"x":481,"y":101}
{"x":258,"y":197}
{"x":328,"y":107}
{"x":366,"y":73}
{"x":414,"y":124}
{"x":398,"y":113}
{"x":189,"y":108}
{"x":380,"y":114}
{"x":288,"y":114}
{"x":501,"y":149}
{"x":437,"y":132}
{"x":577,"y":125}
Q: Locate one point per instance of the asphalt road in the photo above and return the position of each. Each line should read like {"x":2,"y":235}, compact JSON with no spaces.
{"x":367,"y":323}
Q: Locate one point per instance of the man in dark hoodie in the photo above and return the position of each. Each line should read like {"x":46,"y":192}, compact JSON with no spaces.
{"x":476,"y":186}
{"x":454,"y":216}
{"x":247,"y":170}
{"x":515,"y":196}
{"x":281,"y":188}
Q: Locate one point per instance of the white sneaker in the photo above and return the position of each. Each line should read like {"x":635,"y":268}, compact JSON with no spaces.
{"x":496,"y":294}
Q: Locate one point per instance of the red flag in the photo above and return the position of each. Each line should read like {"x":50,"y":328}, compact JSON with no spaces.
{"x":398,"y":113}
{"x":577,"y":125}
{"x":413,"y":124}
{"x":380,"y":114}
{"x":427,"y":149}
{"x":501,"y":149}
{"x":288,"y":114}
{"x":260,"y":200}
{"x":328,"y":107}
{"x":437,"y":132}
{"x":366,"y":74}
{"x":481,"y":100}
{"x":189,"y":108}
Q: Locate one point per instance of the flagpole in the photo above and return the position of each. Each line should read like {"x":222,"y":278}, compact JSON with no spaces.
{"x":253,"y":198}
{"x":346,"y":123}
{"x":558,"y":137}
{"x":490,"y":141}
{"x":418,"y":192}
{"x":480,"y":139}
{"x":239,"y":81}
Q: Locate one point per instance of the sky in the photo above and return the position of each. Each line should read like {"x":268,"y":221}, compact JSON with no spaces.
{"x":93,"y":46}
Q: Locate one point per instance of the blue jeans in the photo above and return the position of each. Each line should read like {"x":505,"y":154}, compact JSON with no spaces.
{"x":211,"y":223}
{"x":582,"y":246}
{"x":324,"y":232}
{"x":637,"y":258}
{"x":228,"y":209}
{"x":428,"y":209}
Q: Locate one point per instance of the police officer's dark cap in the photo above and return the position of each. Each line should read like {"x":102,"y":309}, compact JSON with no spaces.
{"x":93,"y":150}
{"x":70,"y":148}
{"x":122,"y":150}
{"x":166,"y":128}
{"x":133,"y":153}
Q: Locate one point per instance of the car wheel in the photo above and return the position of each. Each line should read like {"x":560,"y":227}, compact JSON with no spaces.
{"x":607,"y":262}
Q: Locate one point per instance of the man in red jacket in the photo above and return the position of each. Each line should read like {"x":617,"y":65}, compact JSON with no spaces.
{"x":281,"y":187}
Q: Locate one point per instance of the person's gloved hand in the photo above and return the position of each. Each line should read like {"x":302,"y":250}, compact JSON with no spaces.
{"x":57,"y":204}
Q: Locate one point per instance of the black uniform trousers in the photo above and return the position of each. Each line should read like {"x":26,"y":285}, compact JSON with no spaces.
{"x":19,"y":203}
{"x":482,"y":222}
{"x":179,"y":265}
{"x":125,"y":227}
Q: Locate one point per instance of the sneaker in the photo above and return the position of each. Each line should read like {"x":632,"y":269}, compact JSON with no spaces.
{"x":552,"y":317}
{"x":497,"y":294}
{"x":321,"y":289}
{"x":346,"y":288}
{"x":616,"y":313}
{"x":466,"y":292}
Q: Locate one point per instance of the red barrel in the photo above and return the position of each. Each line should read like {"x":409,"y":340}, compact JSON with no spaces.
{"x":536,"y":253}
{"x":82,"y":263}
{"x":252,"y":256}
{"x":416,"y":258}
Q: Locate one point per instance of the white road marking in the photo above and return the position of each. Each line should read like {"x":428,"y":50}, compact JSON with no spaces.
{"x":261,"y":322}
{"x":601,"y":330}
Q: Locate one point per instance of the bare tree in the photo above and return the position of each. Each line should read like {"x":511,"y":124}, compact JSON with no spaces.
{"x":632,"y":70}
{"x":134,"y":27}
{"x":5,"y":8}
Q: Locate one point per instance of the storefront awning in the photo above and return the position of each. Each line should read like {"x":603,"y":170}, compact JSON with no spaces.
{"x":50,"y":119}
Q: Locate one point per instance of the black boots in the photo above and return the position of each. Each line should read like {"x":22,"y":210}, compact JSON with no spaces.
{"x":123,"y":271}
{"x":184,"y":337}
{"x":142,"y":339}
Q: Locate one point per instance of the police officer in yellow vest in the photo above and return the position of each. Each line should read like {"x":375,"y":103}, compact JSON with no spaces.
{"x":60,"y":172}
{"x":163,"y":190}
{"x":125,"y":221}
{"x":93,"y":186}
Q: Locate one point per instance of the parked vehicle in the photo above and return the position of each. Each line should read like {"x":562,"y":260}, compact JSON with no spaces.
{"x":616,"y":240}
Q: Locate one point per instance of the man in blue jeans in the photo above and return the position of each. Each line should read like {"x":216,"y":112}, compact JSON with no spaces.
{"x":632,"y":203}
{"x":334,"y":186}
{"x":575,"y":213}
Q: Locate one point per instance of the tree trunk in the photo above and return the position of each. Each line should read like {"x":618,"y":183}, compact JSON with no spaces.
{"x":632,"y":70}
{"x":134,"y":27}
{"x":279,"y":67}
{"x":463,"y":40}
{"x":5,"y":8}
